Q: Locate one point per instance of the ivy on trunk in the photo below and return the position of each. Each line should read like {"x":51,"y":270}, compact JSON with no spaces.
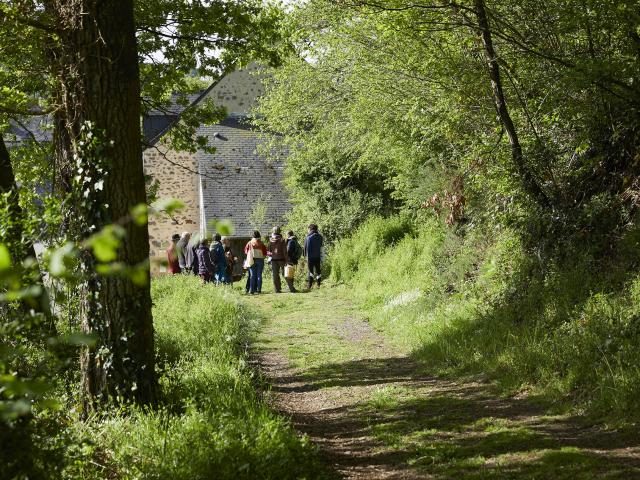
{"x":98,"y":148}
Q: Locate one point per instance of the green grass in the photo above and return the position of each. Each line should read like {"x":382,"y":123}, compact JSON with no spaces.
{"x":308,"y":315}
{"x":211,"y":423}
{"x":479,"y":304}
{"x":443,"y":429}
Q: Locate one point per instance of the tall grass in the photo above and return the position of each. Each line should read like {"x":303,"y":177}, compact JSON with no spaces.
{"x":211,"y":423}
{"x":565,"y":327}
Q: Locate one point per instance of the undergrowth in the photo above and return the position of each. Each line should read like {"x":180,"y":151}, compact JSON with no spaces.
{"x":563,"y":325}
{"x":209,"y":422}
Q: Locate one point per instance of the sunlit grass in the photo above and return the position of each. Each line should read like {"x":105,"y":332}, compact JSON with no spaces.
{"x":470,"y":305}
{"x":211,"y":423}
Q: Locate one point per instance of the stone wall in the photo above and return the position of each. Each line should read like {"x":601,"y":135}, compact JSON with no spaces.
{"x":175,"y":182}
{"x":231,"y":182}
{"x":237,"y":91}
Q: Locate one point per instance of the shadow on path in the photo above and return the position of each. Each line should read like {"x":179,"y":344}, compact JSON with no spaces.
{"x":380,"y":418}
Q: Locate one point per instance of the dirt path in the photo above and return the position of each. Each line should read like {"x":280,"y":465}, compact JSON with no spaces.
{"x":374,"y":415}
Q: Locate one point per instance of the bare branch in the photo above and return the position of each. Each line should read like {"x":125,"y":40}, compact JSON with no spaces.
{"x":26,"y":112}
{"x":175,"y":164}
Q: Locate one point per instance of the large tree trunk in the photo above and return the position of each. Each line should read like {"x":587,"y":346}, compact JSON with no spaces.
{"x":13,"y":235}
{"x":98,"y":130}
{"x":529,"y":182}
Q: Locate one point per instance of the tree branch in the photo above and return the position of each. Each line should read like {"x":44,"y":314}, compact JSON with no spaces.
{"x":26,"y":129}
{"x":26,"y":112}
{"x":214,"y":41}
{"x":175,"y":164}
{"x":30,"y":22}
{"x":529,"y":182}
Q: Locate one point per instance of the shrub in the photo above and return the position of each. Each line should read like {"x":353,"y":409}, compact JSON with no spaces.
{"x":565,"y":325}
{"x":211,"y":423}
{"x":369,"y":241}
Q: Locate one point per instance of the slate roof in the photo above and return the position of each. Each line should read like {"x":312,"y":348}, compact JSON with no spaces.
{"x":158,"y":121}
{"x":237,"y":178}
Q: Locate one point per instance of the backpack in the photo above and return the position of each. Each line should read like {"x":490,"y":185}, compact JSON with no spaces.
{"x":297,"y":248}
{"x":278,"y":248}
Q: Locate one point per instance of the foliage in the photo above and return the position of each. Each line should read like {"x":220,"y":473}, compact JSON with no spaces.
{"x":210,"y":421}
{"x":258,"y":218}
{"x":391,"y":103}
{"x":176,"y":38}
{"x":480,"y":304}
{"x":374,"y":236}
{"x":391,"y":107}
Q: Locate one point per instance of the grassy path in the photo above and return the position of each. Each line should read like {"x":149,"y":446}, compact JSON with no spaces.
{"x":374,"y":415}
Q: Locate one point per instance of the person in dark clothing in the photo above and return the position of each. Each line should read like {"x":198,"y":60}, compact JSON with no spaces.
{"x":181,"y":247}
{"x":172,"y":255}
{"x":191,"y":255}
{"x":247,"y":288}
{"x":205,"y":265}
{"x":230,"y":260}
{"x":219,"y":260}
{"x":294,"y":252}
{"x":277,"y":250}
{"x":313,"y":252}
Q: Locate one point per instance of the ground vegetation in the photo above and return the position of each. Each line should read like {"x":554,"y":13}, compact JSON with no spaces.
{"x":489,"y":153}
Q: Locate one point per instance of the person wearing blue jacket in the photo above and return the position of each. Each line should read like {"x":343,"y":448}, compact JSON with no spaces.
{"x":219,"y":260}
{"x":313,"y":253}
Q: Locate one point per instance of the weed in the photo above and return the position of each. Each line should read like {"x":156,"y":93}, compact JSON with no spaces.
{"x":481,"y":304}
{"x":210,"y":422}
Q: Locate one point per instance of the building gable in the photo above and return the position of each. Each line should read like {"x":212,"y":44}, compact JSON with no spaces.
{"x":233,"y":183}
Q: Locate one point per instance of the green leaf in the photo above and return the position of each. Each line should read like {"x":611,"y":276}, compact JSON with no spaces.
{"x":79,"y":339}
{"x":140,"y":214}
{"x":5,"y":258}
{"x":105,"y":243}
{"x":34,"y":291}
{"x":62,"y":260}
{"x":14,"y":409}
{"x":113,"y":268}
{"x":15,"y":386}
{"x":49,"y":404}
{"x":168,"y":205}
{"x":225,"y":227}
{"x":139,"y":276}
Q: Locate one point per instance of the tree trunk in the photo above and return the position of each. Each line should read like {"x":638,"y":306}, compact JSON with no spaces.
{"x":529,"y":182}
{"x":20,"y":247}
{"x":98,"y":139}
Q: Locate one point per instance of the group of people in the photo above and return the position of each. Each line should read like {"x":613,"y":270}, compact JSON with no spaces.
{"x":215,"y":262}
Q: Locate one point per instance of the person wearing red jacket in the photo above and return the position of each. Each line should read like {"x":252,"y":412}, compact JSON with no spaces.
{"x":255,"y":251}
{"x":172,"y":255}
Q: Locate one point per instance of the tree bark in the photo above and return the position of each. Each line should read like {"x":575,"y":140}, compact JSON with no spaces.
{"x":529,"y":182}
{"x":97,"y":135}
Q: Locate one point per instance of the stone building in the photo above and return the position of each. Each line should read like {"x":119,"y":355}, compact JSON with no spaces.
{"x":235,"y":183}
